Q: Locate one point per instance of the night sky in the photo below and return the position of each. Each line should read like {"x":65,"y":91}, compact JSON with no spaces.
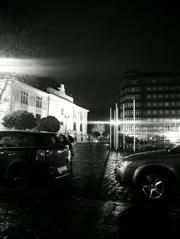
{"x":88,"y":47}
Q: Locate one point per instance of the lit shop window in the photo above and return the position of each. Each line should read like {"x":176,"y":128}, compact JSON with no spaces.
{"x":24,"y":97}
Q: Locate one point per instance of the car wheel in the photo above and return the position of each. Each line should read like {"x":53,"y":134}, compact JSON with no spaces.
{"x":18,"y":178}
{"x":153,"y":185}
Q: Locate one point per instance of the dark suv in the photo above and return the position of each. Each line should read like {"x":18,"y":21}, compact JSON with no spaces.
{"x":155,"y":175}
{"x":32,"y":157}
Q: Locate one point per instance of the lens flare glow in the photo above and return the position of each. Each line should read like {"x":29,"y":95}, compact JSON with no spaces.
{"x":33,"y":66}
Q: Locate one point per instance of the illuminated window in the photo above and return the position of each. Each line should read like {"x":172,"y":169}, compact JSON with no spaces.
{"x":38,"y":102}
{"x":173,"y":103}
{"x":24,"y":97}
{"x":172,"y":95}
{"x":160,"y":95}
{"x":173,"y":112}
{"x":148,"y":96}
{"x":160,"y":103}
{"x":166,"y":103}
{"x":154,"y":103}
{"x":160,"y":112}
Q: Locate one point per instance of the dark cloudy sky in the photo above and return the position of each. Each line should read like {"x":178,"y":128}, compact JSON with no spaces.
{"x":88,"y":47}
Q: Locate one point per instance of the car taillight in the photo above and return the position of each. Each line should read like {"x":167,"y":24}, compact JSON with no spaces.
{"x":40,"y":156}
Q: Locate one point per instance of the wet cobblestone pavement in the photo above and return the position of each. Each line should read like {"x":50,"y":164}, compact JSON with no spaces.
{"x":98,"y":206}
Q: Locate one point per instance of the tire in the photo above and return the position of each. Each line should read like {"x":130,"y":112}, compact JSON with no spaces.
{"x":18,"y":178}
{"x":153,"y":186}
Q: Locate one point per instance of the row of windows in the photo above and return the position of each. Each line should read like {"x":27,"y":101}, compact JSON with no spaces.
{"x":155,"y":96}
{"x":161,"y":103}
{"x":25,"y":99}
{"x":132,"y":89}
{"x":131,"y":97}
{"x":130,"y":112}
{"x":162,"y":112}
{"x":162,"y":88}
{"x":150,"y":128}
{"x":155,"y":81}
{"x":130,"y":105}
{"x":150,"y":81}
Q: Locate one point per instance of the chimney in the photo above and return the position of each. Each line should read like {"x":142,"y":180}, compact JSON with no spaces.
{"x":61,"y":89}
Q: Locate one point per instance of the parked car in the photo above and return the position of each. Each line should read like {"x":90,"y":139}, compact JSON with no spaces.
{"x":28,"y":158}
{"x":154,"y":175}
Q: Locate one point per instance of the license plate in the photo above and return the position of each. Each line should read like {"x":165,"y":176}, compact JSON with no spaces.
{"x":61,"y":169}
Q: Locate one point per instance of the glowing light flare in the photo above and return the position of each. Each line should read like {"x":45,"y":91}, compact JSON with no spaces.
{"x":32,"y":66}
{"x":174,"y":137}
{"x":13,"y":65}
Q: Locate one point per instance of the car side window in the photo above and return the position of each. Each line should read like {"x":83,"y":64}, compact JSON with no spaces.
{"x":26,"y":140}
{"x":48,"y":140}
{"x":9,"y":140}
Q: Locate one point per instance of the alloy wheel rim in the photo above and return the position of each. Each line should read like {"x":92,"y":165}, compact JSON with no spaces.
{"x":152,"y":186}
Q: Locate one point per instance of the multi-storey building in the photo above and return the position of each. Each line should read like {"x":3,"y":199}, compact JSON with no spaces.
{"x":15,"y":95}
{"x":156,"y":108}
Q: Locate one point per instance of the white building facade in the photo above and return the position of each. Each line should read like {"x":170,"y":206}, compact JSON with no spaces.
{"x":15,"y":95}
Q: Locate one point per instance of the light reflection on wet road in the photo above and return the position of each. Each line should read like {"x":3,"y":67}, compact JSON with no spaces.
{"x":85,"y":213}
